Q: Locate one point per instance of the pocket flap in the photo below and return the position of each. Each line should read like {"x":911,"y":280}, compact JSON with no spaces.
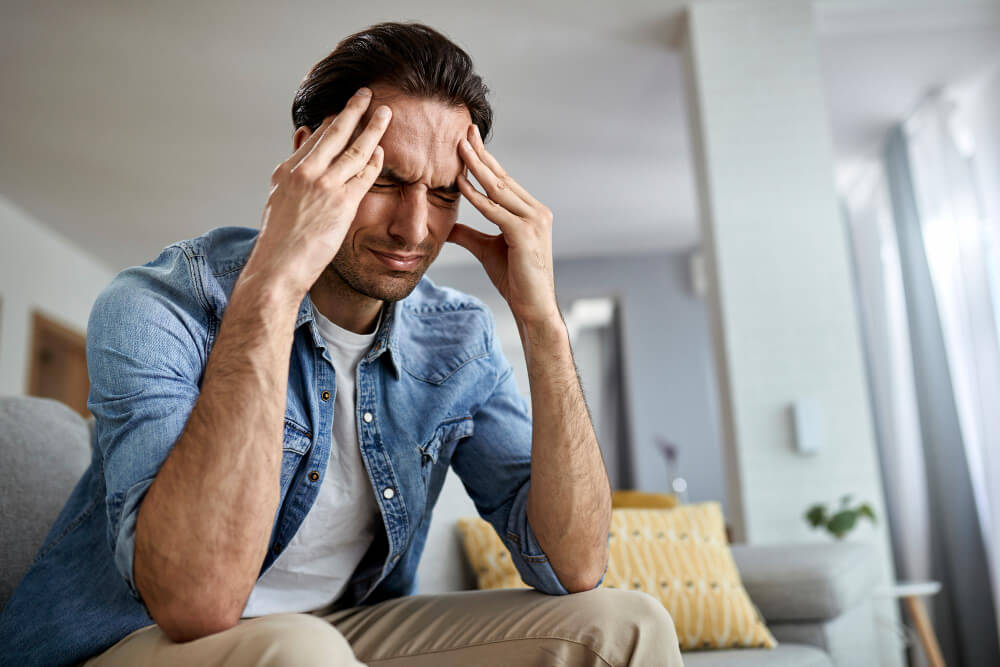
{"x":296,"y":438}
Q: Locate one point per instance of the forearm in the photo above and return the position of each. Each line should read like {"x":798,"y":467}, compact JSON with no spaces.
{"x":203,"y":527}
{"x":569,"y":501}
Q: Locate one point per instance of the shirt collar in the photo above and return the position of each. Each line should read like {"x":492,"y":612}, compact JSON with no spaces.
{"x":386,"y":338}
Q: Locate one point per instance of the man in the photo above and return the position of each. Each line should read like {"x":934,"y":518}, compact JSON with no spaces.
{"x":275,"y":414}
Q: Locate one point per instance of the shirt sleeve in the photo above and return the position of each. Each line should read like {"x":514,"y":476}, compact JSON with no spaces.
{"x":494,"y":464}
{"x":146,"y":348}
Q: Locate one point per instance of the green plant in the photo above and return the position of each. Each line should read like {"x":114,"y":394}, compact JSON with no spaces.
{"x":839,"y":521}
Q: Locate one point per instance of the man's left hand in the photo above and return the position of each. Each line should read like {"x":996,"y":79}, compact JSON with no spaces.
{"x":519,"y":259}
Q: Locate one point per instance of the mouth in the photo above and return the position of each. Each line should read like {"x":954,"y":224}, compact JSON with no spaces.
{"x":398,"y":262}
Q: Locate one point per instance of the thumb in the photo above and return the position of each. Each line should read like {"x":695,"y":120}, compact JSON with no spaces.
{"x":471,"y":239}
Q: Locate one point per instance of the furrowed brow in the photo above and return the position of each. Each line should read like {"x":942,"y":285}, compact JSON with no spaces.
{"x":449,"y":189}
{"x":391,"y":176}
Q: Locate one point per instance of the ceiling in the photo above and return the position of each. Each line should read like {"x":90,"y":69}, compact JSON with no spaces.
{"x":126,"y":126}
{"x":880,"y":59}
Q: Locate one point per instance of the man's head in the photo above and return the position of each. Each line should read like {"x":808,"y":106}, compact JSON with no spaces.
{"x":429,"y":83}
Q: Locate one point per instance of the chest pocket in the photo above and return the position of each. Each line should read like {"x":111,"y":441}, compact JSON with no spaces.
{"x":442,"y":343}
{"x":296,"y":441}
{"x":442,"y":443}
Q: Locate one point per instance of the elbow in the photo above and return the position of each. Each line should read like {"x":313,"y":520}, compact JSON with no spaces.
{"x":184,"y":616}
{"x":584,"y":578}
{"x":195,"y":621}
{"x":581,"y":583}
{"x":186,"y":607}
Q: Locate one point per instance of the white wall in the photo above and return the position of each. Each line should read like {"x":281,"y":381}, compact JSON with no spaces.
{"x":39,"y":270}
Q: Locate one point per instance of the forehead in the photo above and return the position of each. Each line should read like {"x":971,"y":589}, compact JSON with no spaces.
{"x":421,"y":142}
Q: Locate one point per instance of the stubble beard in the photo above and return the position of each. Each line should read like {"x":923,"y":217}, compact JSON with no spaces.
{"x":388,"y":287}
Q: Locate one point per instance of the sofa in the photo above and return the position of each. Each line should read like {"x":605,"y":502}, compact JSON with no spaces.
{"x":815,"y":597}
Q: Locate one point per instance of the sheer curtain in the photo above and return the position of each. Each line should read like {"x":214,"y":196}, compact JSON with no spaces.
{"x":961,"y":248}
{"x":882,"y":310}
{"x":923,"y":228}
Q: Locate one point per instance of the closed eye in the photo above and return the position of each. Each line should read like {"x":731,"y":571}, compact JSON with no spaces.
{"x":443,"y":199}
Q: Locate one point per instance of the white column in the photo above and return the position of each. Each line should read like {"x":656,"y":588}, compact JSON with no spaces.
{"x":780,"y":290}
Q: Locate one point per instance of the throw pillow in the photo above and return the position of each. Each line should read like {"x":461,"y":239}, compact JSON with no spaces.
{"x":643,"y":500}
{"x":679,"y":556}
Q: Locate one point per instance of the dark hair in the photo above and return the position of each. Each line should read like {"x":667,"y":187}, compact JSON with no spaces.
{"x":411,"y":57}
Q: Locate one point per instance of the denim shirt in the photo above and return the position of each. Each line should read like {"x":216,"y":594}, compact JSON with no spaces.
{"x":433,"y":391}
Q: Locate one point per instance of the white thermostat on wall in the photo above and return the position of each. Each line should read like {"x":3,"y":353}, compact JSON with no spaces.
{"x":807,"y":427}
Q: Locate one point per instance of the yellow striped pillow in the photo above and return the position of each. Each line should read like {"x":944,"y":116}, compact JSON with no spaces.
{"x":679,"y":556}
{"x":642,"y":500}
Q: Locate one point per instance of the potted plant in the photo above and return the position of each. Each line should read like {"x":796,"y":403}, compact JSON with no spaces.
{"x":841,"y":520}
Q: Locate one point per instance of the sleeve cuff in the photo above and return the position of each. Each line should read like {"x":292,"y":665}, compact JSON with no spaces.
{"x":123,"y":538}
{"x":525,"y":551}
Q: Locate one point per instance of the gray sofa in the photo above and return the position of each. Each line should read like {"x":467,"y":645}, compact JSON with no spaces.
{"x":815,"y":598}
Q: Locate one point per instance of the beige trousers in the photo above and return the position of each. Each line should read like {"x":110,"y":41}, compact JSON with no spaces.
{"x":470,"y":628}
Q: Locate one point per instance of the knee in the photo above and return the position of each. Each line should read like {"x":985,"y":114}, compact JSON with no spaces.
{"x":630,"y":610}
{"x":635,"y":623}
{"x":295,"y":640}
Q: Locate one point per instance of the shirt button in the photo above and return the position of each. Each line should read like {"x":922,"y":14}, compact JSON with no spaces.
{"x":277,"y":547}
{"x":325,"y":396}
{"x":367,"y":417}
{"x":313,"y":476}
{"x":388,"y":492}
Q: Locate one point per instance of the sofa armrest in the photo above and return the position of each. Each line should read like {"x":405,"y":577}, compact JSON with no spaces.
{"x":807,"y":582}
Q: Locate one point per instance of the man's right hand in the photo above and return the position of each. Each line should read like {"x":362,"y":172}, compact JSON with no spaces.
{"x":315,"y":195}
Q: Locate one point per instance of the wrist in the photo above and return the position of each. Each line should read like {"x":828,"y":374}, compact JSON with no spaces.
{"x":269,"y":290}
{"x":543,"y":332}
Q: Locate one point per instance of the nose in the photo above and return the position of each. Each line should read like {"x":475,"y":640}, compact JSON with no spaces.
{"x":408,"y":224}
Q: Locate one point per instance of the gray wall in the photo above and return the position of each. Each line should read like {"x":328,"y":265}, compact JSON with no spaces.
{"x":671,"y":389}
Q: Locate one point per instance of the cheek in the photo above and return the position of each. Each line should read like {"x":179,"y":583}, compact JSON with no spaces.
{"x":373,"y":213}
{"x":442,"y":221}
{"x":374,"y":207}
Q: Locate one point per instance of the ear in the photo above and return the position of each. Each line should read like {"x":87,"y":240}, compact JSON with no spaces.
{"x":301,"y":134}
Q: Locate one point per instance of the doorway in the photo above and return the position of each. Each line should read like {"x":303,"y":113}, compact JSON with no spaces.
{"x":58,"y":363}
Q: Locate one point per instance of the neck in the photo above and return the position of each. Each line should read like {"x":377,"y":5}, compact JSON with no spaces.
{"x":343,"y":305}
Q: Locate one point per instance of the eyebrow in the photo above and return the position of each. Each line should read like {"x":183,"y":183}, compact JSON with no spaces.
{"x":391,"y":176}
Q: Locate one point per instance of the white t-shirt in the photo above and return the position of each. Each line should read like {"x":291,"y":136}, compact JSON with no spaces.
{"x":314,"y":568}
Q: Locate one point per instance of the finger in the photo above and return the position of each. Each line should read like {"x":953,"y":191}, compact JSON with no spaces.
{"x":507,"y":222}
{"x":359,"y":152}
{"x":477,"y":143}
{"x":494,"y":185}
{"x":336,"y":136}
{"x":472,"y":240}
{"x":363,"y":180}
{"x":311,"y":140}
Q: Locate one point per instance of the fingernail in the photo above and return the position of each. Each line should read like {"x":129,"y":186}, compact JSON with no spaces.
{"x":382,"y":113}
{"x":475,"y":128}
{"x":466,"y":144}
{"x":365,"y":92}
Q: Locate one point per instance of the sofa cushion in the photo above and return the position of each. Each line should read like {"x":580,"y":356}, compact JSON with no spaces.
{"x":807,"y":582}
{"x":44,"y":449}
{"x":785,"y":655}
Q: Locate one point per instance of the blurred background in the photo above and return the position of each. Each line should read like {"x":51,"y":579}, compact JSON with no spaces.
{"x":777,"y":231}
